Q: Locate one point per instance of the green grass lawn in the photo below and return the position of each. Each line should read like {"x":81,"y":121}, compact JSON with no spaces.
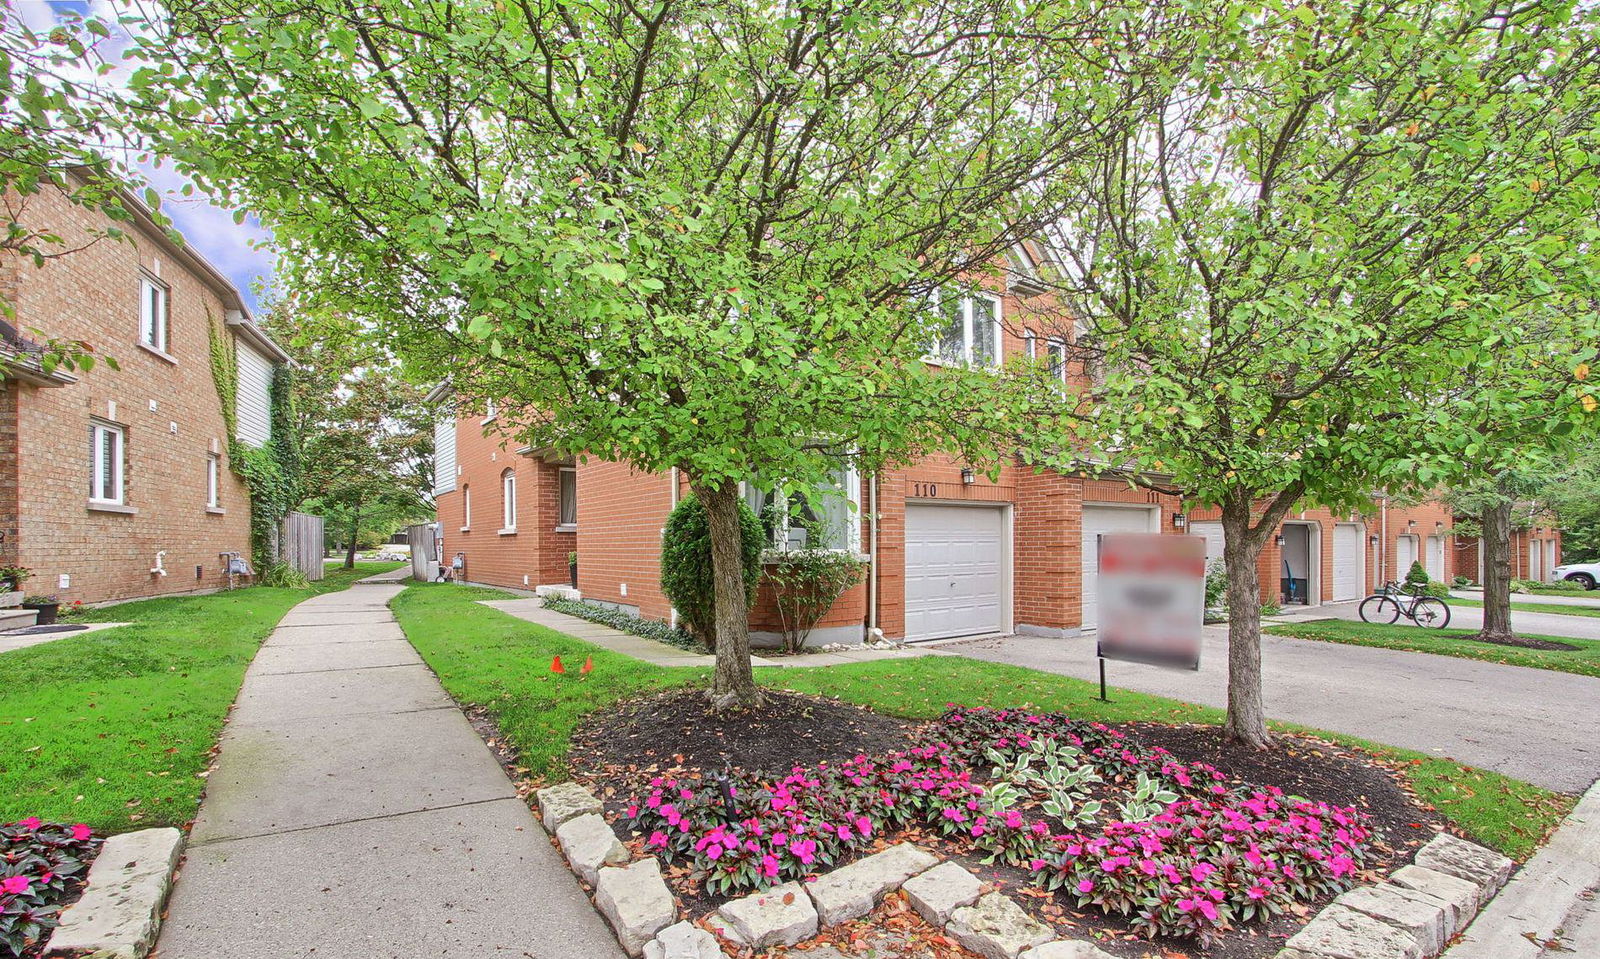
{"x":487,"y":658}
{"x":1557,"y":608}
{"x":112,"y":728}
{"x":1585,"y":660}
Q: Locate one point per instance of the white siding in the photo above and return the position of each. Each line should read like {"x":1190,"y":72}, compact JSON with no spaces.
{"x":444,"y":454}
{"x":254,"y":401}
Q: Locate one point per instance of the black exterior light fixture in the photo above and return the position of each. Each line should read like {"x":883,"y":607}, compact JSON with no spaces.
{"x":1372,"y":540}
{"x":1179,"y":521}
{"x":1278,"y":540}
{"x":968,"y":477}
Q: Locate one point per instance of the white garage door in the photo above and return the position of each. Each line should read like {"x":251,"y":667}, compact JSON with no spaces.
{"x":1098,"y":521}
{"x":1349,"y":570}
{"x":955,"y":570}
{"x":1535,"y":553}
{"x":1209,"y":530}
{"x":1405,"y":553}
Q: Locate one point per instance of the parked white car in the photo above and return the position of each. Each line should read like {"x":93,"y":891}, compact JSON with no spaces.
{"x":1584,"y":574}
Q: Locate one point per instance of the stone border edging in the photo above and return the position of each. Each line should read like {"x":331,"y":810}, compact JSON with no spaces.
{"x":119,"y":914}
{"x":642,"y":912}
{"x":1412,"y":914}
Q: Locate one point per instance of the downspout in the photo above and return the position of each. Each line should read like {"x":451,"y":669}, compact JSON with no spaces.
{"x":872,"y":561}
{"x":672,"y":504}
{"x":1383,"y":543}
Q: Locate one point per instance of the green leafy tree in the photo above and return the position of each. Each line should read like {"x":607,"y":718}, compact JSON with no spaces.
{"x":1327,"y":218}
{"x":366,"y":443}
{"x":695,"y":236}
{"x":58,"y":131}
{"x":1573,"y":494}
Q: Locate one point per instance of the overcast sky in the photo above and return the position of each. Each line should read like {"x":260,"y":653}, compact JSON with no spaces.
{"x":241,"y":251}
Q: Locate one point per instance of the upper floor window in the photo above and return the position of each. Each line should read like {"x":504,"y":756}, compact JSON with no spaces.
{"x":1056,"y":352}
{"x":153,"y":313}
{"x":508,"y":492}
{"x":105,"y":463}
{"x":969,"y":330}
{"x":567,"y":498}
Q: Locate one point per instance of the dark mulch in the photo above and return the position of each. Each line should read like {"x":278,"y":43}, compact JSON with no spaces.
{"x":1521,"y":642}
{"x":674,"y":734}
{"x":676,"y":731}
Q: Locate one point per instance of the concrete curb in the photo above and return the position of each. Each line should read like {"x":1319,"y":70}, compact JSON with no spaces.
{"x":1547,"y":898}
{"x":1412,"y":914}
{"x":119,"y":914}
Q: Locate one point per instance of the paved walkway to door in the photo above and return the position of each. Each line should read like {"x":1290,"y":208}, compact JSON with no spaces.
{"x":355,"y":814}
{"x":1534,"y":724}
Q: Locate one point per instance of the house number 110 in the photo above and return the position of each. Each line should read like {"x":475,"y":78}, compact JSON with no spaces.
{"x":924,"y":489}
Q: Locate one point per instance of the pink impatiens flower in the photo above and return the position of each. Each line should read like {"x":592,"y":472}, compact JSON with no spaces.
{"x":1085,"y":885}
{"x":32,"y":822}
{"x":15,"y":885}
{"x":80,"y":832}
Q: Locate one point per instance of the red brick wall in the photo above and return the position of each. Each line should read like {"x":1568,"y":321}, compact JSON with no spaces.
{"x":620,"y":517}
{"x":536,"y":553}
{"x":94,"y":294}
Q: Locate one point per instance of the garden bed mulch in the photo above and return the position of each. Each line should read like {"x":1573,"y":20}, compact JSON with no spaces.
{"x":1524,"y":642}
{"x":617,"y":753}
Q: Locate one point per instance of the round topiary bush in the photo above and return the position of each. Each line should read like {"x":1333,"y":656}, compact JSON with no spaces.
{"x":686,"y":576}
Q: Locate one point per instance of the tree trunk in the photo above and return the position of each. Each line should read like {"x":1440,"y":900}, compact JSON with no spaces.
{"x":355,"y":535}
{"x":1496,"y":546}
{"x":1241,"y":548}
{"x":734,"y":682}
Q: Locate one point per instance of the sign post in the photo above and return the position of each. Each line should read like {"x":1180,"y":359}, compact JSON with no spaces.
{"x":1152,"y":600}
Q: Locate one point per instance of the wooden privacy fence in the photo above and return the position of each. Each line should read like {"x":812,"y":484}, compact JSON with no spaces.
{"x":300,"y":544}
{"x":424,"y":540}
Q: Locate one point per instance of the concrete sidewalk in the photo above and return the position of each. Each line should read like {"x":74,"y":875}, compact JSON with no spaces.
{"x":661,"y":654}
{"x":1550,"y":907}
{"x":354,"y":813}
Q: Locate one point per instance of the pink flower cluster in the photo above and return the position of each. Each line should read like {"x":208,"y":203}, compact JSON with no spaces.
{"x":1201,"y":865}
{"x":40,"y":863}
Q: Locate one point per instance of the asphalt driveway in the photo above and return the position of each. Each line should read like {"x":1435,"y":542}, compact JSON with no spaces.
{"x":1534,"y":724}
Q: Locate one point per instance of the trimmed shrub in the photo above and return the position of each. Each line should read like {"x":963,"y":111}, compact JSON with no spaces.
{"x":1461,"y":582}
{"x":1216,"y":584}
{"x":655,"y":629}
{"x":686,"y":576}
{"x":1416,"y":577}
{"x":1436,"y":588}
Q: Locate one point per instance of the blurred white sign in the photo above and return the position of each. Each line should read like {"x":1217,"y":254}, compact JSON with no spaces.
{"x":1152,"y":598}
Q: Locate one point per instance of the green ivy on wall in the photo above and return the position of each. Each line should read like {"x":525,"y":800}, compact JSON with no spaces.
{"x":271,"y":473}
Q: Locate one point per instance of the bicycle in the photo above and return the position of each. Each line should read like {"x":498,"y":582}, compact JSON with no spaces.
{"x":1391,"y":601}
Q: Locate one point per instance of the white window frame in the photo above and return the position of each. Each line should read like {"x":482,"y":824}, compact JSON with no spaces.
{"x":1055,"y":351}
{"x":489,"y":411}
{"x":852,"y":530}
{"x":154,"y":332}
{"x":564,"y":525}
{"x":466,"y":507}
{"x":213,"y":481}
{"x":1030,"y":341}
{"x":967,"y":331}
{"x":107,"y":490}
{"x":508,"y":501}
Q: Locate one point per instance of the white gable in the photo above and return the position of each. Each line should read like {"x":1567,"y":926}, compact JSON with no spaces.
{"x":254,"y":401}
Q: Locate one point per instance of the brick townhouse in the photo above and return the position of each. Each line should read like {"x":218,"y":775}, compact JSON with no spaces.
{"x":950,"y":552}
{"x":114,"y":484}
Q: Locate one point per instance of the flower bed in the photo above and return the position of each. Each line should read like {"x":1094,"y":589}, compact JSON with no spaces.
{"x":1169,"y":846}
{"x":42,"y":867}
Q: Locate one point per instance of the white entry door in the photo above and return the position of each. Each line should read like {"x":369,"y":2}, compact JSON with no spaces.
{"x":1434,"y":562}
{"x":1535,"y":555}
{"x":1349,"y":567}
{"x":1405,"y":553}
{"x":1098,"y":521}
{"x":1209,"y":530}
{"x":956,"y":570}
